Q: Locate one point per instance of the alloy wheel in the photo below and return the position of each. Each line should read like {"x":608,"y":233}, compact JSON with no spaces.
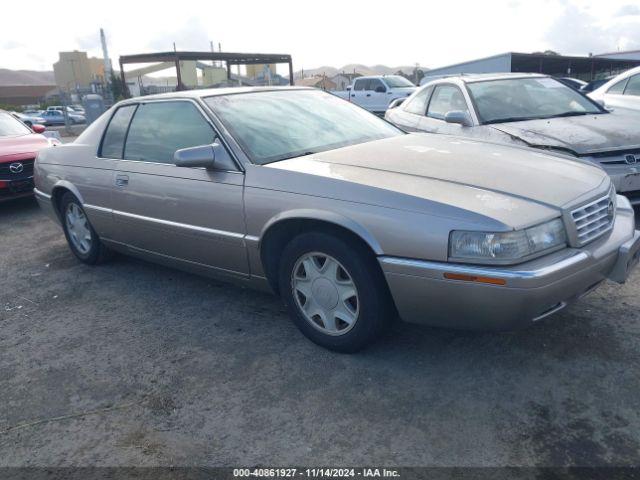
{"x":78,"y":228}
{"x":325,"y":293}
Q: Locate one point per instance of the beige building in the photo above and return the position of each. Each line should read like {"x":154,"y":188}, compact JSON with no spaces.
{"x":317,"y":82}
{"x":255,"y":71}
{"x":75,"y":70}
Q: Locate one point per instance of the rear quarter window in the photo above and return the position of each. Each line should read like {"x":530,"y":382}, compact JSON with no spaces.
{"x":617,"y":88}
{"x":633,"y":86}
{"x":113,"y":141}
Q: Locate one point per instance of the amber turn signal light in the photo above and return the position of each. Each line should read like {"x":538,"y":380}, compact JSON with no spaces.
{"x":474,"y":278}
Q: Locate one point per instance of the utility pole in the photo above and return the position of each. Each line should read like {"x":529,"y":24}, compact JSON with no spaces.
{"x":108,"y":69}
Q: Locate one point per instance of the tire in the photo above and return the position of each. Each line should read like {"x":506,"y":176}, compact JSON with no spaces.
{"x":81,"y":237}
{"x":354,"y":322}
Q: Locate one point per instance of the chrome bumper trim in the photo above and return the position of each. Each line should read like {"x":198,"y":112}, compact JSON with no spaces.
{"x":40,"y":194}
{"x":507,"y":274}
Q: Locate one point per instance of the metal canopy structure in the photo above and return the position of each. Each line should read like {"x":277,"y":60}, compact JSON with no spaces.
{"x":585,"y":68}
{"x":227,"y":57}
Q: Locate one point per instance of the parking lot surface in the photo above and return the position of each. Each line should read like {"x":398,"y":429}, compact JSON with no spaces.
{"x":130,"y":363}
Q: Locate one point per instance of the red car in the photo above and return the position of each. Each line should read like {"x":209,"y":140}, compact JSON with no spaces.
{"x":19,"y":146}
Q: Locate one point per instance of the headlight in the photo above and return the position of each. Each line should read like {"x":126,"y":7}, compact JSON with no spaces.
{"x":504,"y":247}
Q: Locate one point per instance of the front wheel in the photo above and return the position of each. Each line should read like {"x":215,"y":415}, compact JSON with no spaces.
{"x":81,"y":237}
{"x":334,"y":291}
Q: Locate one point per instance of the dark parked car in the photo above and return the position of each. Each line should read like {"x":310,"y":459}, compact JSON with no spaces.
{"x":595,"y":84}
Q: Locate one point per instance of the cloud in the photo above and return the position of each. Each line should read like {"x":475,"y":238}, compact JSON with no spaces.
{"x":88,"y":42}
{"x":628,"y":10}
{"x":191,"y":35}
{"x":11,"y":45}
{"x":575,"y":31}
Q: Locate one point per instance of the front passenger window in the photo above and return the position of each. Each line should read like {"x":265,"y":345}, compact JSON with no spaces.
{"x":159,"y":129}
{"x":446,"y":98}
{"x":376,"y":85}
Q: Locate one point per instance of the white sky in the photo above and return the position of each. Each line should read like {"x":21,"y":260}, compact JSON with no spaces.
{"x":393,"y":33}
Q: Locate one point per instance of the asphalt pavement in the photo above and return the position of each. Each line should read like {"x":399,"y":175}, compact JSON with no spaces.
{"x":131,"y":363}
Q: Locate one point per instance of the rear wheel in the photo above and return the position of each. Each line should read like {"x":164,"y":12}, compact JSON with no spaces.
{"x":81,"y":237}
{"x":334,"y":291}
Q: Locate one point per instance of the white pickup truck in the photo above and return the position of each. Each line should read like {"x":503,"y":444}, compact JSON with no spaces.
{"x":375,"y":93}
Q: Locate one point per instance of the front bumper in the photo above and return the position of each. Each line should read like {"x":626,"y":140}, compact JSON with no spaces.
{"x":626,"y":180}
{"x":46,"y":204}
{"x":12,"y":189}
{"x":531,"y":291}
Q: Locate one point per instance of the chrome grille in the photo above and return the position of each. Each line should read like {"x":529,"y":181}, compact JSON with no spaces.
{"x":594,"y":219}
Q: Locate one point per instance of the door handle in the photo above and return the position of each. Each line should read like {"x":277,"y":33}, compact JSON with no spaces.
{"x":122,"y":180}
{"x":353,"y":94}
{"x":368,"y":94}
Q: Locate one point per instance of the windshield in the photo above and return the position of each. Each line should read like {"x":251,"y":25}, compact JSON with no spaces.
{"x":396,"y":81}
{"x":10,"y":127}
{"x":527,"y":98}
{"x":276,"y":125}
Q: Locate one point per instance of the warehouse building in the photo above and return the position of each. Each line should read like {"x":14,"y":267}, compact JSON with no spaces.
{"x":627,"y":55}
{"x":584,"y":68}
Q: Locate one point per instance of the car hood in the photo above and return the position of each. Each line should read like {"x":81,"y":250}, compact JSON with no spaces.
{"x":23,"y":144}
{"x":581,"y":135}
{"x":497,"y":180}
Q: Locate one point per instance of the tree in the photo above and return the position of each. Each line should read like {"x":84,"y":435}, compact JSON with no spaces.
{"x":118,"y":89}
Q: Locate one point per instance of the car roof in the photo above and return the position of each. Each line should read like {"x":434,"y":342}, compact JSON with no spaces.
{"x":377,"y":76}
{"x":211,"y":92}
{"x":483,"y":77}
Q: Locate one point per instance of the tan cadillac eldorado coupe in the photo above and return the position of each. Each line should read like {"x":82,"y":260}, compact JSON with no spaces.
{"x":350,"y":220}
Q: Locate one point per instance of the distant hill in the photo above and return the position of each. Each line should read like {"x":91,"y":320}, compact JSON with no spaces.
{"x":26,"y":77}
{"x":358,"y":68}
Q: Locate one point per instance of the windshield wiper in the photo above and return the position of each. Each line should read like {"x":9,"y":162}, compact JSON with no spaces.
{"x":510,"y":119}
{"x":573,"y":114}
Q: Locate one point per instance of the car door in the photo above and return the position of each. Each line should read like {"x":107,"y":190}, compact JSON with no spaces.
{"x":51,"y":118}
{"x":378,"y":95}
{"x":194,"y":215}
{"x":446,"y":97}
{"x":360,"y":95}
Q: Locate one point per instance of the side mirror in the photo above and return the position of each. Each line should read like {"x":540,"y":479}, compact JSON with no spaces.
{"x":203,"y":156}
{"x":459,"y":117}
{"x":348,"y":88}
{"x":397,"y":102}
{"x":38,"y":128}
{"x":380,"y":89}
